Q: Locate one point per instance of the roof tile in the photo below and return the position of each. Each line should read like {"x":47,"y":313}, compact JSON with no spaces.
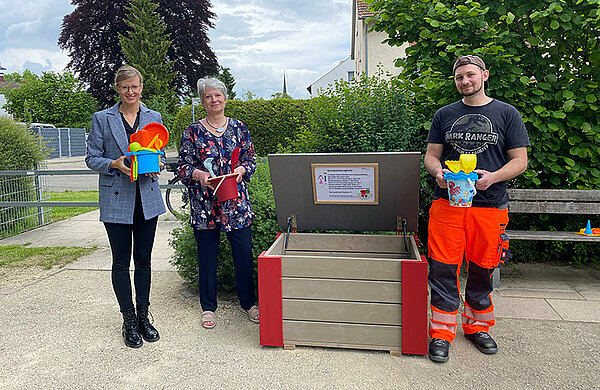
{"x":363,"y":12}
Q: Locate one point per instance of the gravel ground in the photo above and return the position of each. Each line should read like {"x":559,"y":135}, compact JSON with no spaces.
{"x":63,"y":332}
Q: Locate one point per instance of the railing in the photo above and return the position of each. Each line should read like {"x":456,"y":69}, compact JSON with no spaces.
{"x":65,"y":172}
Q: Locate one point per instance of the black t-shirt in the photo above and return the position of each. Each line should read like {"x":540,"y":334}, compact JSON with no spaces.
{"x":488,"y":131}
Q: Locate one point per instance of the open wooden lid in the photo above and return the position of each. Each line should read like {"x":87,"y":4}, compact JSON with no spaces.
{"x":398,"y":192}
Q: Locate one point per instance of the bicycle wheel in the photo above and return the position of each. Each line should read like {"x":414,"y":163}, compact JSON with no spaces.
{"x":177,"y":200}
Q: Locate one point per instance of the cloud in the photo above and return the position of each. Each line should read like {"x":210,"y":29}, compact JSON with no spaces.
{"x":256,"y":39}
{"x":36,"y":60}
{"x":34,"y":25}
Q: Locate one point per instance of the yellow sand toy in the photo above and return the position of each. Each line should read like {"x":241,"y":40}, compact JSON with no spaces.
{"x":465,"y":163}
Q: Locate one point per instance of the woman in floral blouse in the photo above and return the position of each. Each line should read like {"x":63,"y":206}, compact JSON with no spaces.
{"x":216,"y":137}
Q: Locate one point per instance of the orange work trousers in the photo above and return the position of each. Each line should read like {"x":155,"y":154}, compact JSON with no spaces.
{"x":476,"y":234}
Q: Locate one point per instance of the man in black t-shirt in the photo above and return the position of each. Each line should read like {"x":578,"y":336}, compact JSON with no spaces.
{"x":494,"y":131}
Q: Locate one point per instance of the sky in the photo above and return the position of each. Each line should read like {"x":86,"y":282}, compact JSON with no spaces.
{"x":257,"y":39}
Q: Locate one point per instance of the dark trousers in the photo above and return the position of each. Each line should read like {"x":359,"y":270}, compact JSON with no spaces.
{"x":119,"y":236}
{"x":207,"y":243}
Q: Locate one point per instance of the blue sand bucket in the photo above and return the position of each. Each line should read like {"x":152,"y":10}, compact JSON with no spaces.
{"x":147,"y":161}
{"x":461,"y":188}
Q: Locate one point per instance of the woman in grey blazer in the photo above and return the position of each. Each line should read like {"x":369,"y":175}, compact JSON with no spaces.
{"x":128,"y":210}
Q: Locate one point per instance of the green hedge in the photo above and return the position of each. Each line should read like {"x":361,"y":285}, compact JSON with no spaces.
{"x":272,"y":123}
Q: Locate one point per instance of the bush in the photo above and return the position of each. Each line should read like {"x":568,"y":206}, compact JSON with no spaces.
{"x":20,"y":148}
{"x":20,"y":151}
{"x":271,"y":122}
{"x":367,"y":115}
{"x":264,"y":230}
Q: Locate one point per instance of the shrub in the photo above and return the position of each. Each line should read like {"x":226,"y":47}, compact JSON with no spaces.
{"x":367,"y":115}
{"x":20,"y":151}
{"x":264,"y":229}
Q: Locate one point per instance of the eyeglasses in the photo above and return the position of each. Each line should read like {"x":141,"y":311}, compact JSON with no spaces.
{"x":126,"y":88}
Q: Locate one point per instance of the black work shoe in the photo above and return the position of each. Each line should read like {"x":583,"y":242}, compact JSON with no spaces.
{"x":438,"y":350}
{"x":483,"y":341}
{"x":131,"y":333}
{"x":148,"y":332}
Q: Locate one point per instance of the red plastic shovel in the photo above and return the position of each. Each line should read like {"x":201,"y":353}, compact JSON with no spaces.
{"x":235,"y":156}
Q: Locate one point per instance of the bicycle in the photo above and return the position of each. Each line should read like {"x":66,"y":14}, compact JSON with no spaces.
{"x":176,"y":196}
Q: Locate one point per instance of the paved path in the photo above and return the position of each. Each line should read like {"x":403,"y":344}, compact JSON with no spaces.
{"x":63,"y":332}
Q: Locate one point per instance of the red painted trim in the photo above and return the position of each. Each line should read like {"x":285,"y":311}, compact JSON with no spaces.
{"x":270,"y":300}
{"x":414,"y":307}
{"x":277,"y":236}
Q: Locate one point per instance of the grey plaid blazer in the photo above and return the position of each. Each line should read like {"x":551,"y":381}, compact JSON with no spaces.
{"x":108,"y":141}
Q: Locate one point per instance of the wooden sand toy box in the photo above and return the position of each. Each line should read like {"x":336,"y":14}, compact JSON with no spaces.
{"x":345,"y":290}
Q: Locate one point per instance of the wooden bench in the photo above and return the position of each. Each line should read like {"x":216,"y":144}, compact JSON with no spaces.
{"x":531,"y":201}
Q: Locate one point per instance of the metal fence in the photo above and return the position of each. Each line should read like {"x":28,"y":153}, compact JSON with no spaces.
{"x":14,"y":220}
{"x":62,"y":142}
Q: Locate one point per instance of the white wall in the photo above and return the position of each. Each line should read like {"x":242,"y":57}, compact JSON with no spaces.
{"x":344,"y":70}
{"x":2,"y":103}
{"x":370,"y":52}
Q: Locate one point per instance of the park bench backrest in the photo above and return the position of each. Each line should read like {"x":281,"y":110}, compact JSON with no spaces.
{"x":530,"y":201}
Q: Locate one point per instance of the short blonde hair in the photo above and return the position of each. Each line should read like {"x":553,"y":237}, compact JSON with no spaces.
{"x":127,"y":72}
{"x":210,"y":82}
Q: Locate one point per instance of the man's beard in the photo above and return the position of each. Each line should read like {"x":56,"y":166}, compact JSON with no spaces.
{"x":466,"y":94}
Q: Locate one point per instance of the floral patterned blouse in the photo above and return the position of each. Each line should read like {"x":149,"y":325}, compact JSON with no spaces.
{"x":198,"y":144}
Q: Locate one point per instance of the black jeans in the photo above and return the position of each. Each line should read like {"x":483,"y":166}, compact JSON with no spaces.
{"x":207,"y":243}
{"x":119,"y":236}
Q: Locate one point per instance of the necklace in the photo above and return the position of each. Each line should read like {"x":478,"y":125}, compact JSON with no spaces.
{"x":219,"y":129}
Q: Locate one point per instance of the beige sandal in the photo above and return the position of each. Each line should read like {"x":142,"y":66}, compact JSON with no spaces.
{"x":209,"y":320}
{"x":253,"y":314}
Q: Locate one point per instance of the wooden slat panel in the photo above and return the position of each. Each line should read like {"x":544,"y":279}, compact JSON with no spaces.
{"x":548,"y":236}
{"x":342,"y":335}
{"x":342,"y":290}
{"x":341,"y":268}
{"x":555,"y":195}
{"x":554,"y":208}
{"x":363,"y":255}
{"x":349,"y":312}
{"x":277,"y":248}
{"x":346,"y":242}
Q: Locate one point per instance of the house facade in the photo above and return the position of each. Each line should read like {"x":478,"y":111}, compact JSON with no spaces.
{"x":371,"y":56}
{"x":342,"y":71}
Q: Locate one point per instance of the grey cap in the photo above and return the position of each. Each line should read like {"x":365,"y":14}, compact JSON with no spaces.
{"x":466,"y":60}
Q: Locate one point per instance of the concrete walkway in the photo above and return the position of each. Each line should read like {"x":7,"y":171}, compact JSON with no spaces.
{"x":63,"y":332}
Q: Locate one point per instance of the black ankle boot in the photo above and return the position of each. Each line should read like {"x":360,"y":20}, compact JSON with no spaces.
{"x":131,"y":333}
{"x":439,"y":350}
{"x":148,"y":332}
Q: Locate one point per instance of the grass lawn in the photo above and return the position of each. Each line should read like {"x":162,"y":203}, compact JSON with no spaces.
{"x":46,"y":257}
{"x":60,"y":213}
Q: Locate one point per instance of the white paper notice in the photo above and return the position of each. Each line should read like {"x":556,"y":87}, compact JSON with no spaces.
{"x":344,"y":184}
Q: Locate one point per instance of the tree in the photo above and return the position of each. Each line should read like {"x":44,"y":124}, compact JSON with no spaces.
{"x":145,"y":48}
{"x":281,"y":95}
{"x":544,"y":58}
{"x":249,"y":95}
{"x":227,"y":78}
{"x":53,"y":98}
{"x":91,"y":36}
